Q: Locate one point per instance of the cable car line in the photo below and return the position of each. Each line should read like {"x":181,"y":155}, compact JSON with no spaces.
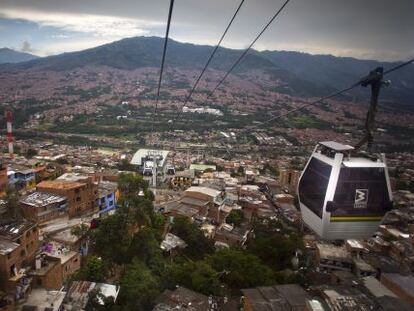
{"x":167,"y":32}
{"x":399,"y":66}
{"x":242,"y":55}
{"x":248,"y":49}
{"x":208,"y":62}
{"x":336,"y":93}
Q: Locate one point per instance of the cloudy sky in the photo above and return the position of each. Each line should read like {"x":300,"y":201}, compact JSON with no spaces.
{"x":374,"y":29}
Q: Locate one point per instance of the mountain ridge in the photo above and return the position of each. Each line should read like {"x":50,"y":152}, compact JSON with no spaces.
{"x":307,"y":75}
{"x":11,"y":56}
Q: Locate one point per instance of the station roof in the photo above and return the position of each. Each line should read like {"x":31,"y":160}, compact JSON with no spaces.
{"x":142,"y":153}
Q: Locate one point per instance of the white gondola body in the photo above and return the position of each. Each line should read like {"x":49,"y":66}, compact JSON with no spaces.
{"x":343,"y":197}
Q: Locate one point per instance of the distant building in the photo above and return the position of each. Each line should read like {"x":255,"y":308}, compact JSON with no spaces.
{"x":107,"y":197}
{"x":18,"y":246}
{"x":44,"y":299}
{"x":289,"y":179}
{"x":41,"y":207}
{"x":78,"y":294}
{"x":231,"y":236}
{"x":278,"y":297}
{"x":22,"y":178}
{"x":4,"y":181}
{"x":144,"y":160}
{"x":80,"y":191}
{"x":55,"y":265}
{"x":182,"y":299}
{"x":330,"y":257}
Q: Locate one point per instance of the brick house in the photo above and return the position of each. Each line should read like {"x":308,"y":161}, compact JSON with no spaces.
{"x":18,"y":246}
{"x":80,"y":192}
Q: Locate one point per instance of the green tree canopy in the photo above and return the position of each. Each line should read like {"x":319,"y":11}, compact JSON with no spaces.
{"x":139,"y":287}
{"x":197,"y":243}
{"x":198,"y":276}
{"x":240,"y":269}
{"x":93,"y":271}
{"x":235,"y":217}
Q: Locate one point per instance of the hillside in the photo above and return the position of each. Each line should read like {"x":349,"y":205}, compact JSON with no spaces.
{"x":11,"y":56}
{"x":303,"y":74}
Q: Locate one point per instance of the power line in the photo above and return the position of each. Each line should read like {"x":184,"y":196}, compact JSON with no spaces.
{"x":248,"y":49}
{"x":208,"y":62}
{"x":163,"y":61}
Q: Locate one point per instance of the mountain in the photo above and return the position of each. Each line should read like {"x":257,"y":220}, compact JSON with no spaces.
{"x":11,"y":56}
{"x":302,"y":74}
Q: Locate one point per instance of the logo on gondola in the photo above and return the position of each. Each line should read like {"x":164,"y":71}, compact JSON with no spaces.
{"x":361,"y":198}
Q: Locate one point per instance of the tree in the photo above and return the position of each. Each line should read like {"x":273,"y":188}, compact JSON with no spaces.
{"x":240,"y":269}
{"x":274,"y":245}
{"x":139,"y":287}
{"x":197,"y":243}
{"x":111,"y":240}
{"x":198,"y":276}
{"x":235,"y":217}
{"x":130,"y":184}
{"x":145,"y":247}
{"x":93,"y":271}
{"x":81,"y":231}
{"x":125,"y":165}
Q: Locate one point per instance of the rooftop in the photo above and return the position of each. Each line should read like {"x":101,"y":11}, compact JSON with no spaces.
{"x":376,"y":288}
{"x":329,"y":251}
{"x":40,"y":199}
{"x":172,"y":241}
{"x":14,"y":229}
{"x":143,"y":153}
{"x":58,"y":250}
{"x":59,"y":184}
{"x":181,"y":299}
{"x":44,"y":299}
{"x":7,"y":246}
{"x":204,"y":190}
{"x":74,"y":177}
{"x":78,"y":293}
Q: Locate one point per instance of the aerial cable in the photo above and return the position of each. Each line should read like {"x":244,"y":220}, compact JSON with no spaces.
{"x":248,"y":49}
{"x":208,"y":62}
{"x":162,"y":62}
{"x":336,"y":93}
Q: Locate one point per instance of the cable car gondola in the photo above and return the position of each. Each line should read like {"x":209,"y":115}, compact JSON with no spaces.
{"x":342,"y":196}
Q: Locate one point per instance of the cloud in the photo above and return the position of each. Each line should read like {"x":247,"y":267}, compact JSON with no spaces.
{"x":95,"y":25}
{"x":71,"y":45}
{"x":26,"y":47}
